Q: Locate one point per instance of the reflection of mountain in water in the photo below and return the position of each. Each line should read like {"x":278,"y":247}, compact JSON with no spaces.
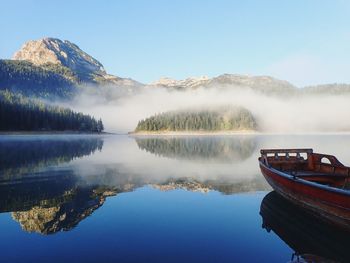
{"x":225,"y":187}
{"x":61,"y":201}
{"x":47,"y":201}
{"x":223,"y":149}
{"x":48,"y":204}
{"x":72,"y":207}
{"x":18,"y":156}
{"x":311,"y":238}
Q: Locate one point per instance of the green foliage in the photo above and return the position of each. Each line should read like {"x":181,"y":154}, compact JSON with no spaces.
{"x":61,"y":70}
{"x":48,"y":81}
{"x":18,"y":113}
{"x":219,"y":119}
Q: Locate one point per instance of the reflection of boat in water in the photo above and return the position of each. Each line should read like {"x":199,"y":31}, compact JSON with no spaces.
{"x":315,"y":181}
{"x":311,"y":238}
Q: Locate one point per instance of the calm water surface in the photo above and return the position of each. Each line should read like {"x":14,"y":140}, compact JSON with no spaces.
{"x":155,"y":199}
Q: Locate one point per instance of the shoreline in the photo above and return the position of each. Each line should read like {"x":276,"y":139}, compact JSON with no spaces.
{"x":172,"y":133}
{"x":230,"y":133}
{"x":52,"y":133}
{"x":193,"y":133}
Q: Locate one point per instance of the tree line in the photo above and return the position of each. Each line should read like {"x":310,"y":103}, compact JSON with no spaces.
{"x":18,"y":113}
{"x":225,"y":118}
{"x":48,"y":81}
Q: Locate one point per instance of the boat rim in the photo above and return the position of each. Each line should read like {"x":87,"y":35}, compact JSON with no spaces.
{"x":306,"y":182}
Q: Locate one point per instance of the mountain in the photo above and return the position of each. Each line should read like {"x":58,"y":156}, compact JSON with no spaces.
{"x":64,"y":53}
{"x":327,"y":89}
{"x":68,"y":55}
{"x":193,"y":82}
{"x":51,"y":68}
{"x":263,"y":84}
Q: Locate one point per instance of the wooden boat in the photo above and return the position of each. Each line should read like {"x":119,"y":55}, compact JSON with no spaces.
{"x":318,"y":182}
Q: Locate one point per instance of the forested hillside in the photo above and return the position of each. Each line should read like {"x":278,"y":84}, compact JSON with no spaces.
{"x":18,"y":113}
{"x":219,"y":119}
{"x":48,"y":81}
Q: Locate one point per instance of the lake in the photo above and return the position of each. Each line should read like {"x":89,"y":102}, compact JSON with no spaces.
{"x":81,"y":198}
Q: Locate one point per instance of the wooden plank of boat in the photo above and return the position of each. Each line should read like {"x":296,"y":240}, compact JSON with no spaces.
{"x":316,"y":181}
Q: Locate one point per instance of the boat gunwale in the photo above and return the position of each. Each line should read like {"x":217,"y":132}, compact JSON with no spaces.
{"x":305,"y":182}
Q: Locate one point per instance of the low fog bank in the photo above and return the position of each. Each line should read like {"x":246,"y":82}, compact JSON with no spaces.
{"x":121,"y":109}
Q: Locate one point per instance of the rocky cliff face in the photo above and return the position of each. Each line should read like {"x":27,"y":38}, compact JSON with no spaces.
{"x":53,"y":51}
{"x":56,"y":51}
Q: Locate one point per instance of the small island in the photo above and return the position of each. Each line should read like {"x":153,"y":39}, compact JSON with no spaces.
{"x":218,"y":120}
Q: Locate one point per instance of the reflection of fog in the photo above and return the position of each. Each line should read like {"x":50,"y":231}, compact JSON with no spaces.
{"x":57,"y":198}
{"x":310,"y":237}
{"x":58,"y":202}
{"x":203,"y":148}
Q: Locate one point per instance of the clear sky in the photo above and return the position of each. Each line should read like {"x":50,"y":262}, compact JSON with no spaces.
{"x":302,"y":41}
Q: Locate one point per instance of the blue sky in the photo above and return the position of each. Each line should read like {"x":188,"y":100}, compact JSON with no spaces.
{"x":302,"y":41}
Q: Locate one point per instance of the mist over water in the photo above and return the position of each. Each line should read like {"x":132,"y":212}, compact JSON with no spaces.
{"x":121,"y":109}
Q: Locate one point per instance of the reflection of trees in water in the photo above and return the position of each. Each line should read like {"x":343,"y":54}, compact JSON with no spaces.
{"x":58,"y":201}
{"x":48,"y":204}
{"x":47,"y":201}
{"x":305,"y":233}
{"x":45,"y":190}
{"x":24,"y":156}
{"x":224,"y":149}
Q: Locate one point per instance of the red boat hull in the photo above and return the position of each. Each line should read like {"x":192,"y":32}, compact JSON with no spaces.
{"x":331,"y":203}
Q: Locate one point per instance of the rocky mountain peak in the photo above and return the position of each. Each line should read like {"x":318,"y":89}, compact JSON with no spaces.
{"x":48,"y":51}
{"x":56,"y":51}
{"x":184,"y":83}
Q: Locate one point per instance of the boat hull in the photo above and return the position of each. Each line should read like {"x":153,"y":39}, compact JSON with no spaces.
{"x":331,"y":204}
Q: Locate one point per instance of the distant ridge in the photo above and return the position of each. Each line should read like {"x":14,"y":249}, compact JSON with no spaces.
{"x":265,"y":84}
{"x":51,"y":68}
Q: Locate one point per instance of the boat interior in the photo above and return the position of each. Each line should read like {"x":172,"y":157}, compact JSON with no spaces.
{"x":304,"y":163}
